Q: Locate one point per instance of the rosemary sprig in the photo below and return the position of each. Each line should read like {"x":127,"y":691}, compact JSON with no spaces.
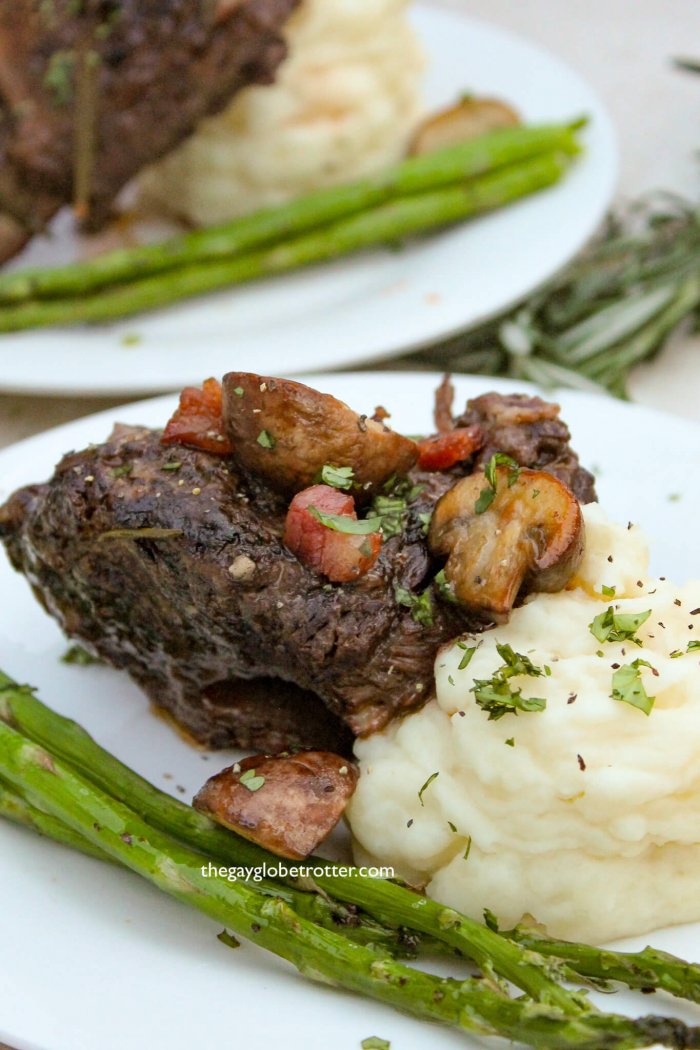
{"x":613,"y":307}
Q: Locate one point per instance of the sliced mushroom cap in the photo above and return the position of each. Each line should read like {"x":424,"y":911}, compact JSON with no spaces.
{"x":530,"y":538}
{"x":467,"y":119}
{"x":287,"y":803}
{"x":286,"y":432}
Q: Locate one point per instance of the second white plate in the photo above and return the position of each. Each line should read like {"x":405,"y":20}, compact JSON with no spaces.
{"x":369,"y":306}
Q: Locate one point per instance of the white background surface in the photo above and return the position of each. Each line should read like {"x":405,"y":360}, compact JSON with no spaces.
{"x":623,"y":48}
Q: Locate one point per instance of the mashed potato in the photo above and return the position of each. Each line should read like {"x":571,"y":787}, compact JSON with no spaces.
{"x":586,"y":815}
{"x":344,"y":103}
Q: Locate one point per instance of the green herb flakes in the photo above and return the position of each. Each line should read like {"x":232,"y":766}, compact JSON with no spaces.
{"x":336,"y":477}
{"x":627,"y":686}
{"x":608,"y":592}
{"x":452,"y":827}
{"x":344,"y":523}
{"x":618,"y":627}
{"x":469,"y":651}
{"x":444,"y":588}
{"x":121,"y":472}
{"x":425,"y":517}
{"x":174,"y":464}
{"x":131,"y":339}
{"x":421,"y":605}
{"x":373,"y":1042}
{"x":431,"y":778}
{"x":496,"y":695}
{"x":250,"y":780}
{"x":79,"y":656}
{"x":488,"y":494}
{"x":265,"y":439}
{"x":228,"y":939}
{"x":693,"y":647}
{"x":510,"y":742}
{"x":390,"y":513}
{"x":468,"y":849}
{"x":238,"y":391}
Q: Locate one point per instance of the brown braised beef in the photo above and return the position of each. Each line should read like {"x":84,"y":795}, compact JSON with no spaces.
{"x":104,"y":87}
{"x":215,"y":618}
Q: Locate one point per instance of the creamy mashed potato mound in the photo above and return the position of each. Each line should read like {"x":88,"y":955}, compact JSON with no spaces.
{"x":344,"y":103}
{"x":585,"y":816}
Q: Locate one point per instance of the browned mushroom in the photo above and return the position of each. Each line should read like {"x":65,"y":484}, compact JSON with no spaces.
{"x":287,"y":803}
{"x":528,"y":537}
{"x":467,"y":119}
{"x":286,"y":432}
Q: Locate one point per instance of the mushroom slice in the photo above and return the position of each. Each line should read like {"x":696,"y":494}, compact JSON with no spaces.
{"x":467,"y":119}
{"x":530,"y":537}
{"x":286,"y":432}
{"x":287,"y":803}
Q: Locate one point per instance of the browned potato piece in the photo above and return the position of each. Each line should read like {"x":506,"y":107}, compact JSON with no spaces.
{"x":530,"y":538}
{"x":286,"y":432}
{"x":467,"y":119}
{"x":287,"y":803}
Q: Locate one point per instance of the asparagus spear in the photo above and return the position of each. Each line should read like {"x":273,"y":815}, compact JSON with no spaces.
{"x":415,"y":175}
{"x":388,"y":903}
{"x":312,"y":906}
{"x":393,"y":907}
{"x":471,"y":1005}
{"x":648,"y":969}
{"x":388,"y":223}
{"x":16,"y":809}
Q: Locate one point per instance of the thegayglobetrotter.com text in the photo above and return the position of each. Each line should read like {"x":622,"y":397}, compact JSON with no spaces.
{"x":294,"y":871}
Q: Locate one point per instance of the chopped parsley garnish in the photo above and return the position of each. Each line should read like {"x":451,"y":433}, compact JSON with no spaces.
{"x":121,"y":472}
{"x":444,"y":587}
{"x":510,"y":742}
{"x":469,"y":651}
{"x":266,"y":439}
{"x":373,"y":1042}
{"x":618,"y":627}
{"x":496,"y":695}
{"x":173,"y":465}
{"x":390,"y":513}
{"x":608,"y":592}
{"x":452,"y":827}
{"x":431,"y":778}
{"x":425,"y":518}
{"x":337,"y":477}
{"x":344,"y":523}
{"x":238,"y":391}
{"x":468,"y":849}
{"x":693,"y":647}
{"x":488,"y":494}
{"x":77,"y":655}
{"x":250,"y":780}
{"x":391,"y":505}
{"x":627,"y":686}
{"x":421,"y":605}
{"x":228,"y":939}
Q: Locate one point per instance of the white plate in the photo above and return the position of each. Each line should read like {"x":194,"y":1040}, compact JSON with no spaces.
{"x":373,"y":305}
{"x":95,"y":958}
